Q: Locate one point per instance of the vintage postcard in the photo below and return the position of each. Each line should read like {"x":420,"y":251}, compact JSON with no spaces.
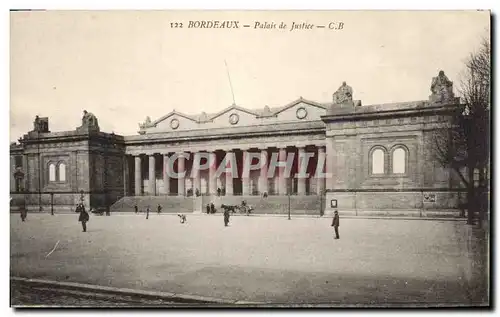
{"x":250,"y":158}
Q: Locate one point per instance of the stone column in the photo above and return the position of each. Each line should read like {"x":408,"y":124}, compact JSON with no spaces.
{"x":166,"y":175}
{"x":281,"y":172}
{"x":196,"y":172}
{"x":301,"y":181}
{"x":330,"y":163}
{"x":138,"y":175}
{"x":152,"y":176}
{"x":126,"y":177}
{"x":245,"y":179}
{"x":25,"y":169}
{"x":229,"y":175}
{"x":11,"y":172}
{"x":181,"y":167}
{"x":320,"y":180}
{"x":212,"y":181}
{"x":263,"y":171}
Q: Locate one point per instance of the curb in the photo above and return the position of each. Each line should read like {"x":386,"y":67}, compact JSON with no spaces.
{"x":175,"y":297}
{"x":343,"y":217}
{"x":276,"y":216}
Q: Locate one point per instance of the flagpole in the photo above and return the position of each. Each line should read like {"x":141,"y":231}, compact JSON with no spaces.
{"x":230,"y":84}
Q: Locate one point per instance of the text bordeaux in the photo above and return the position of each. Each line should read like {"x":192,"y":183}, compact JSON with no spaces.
{"x":214,"y":24}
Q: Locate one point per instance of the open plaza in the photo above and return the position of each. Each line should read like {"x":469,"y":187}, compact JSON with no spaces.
{"x":258,"y":259}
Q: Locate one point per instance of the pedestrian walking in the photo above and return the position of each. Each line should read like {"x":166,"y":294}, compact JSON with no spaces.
{"x":23,"y":210}
{"x":226,"y":216}
{"x":208,"y":209}
{"x":136,"y":209}
{"x":336,"y":223}
{"x":24,"y":213}
{"x":84,"y":217}
{"x":147,"y":213}
{"x":159,"y":209}
{"x":218,"y":191}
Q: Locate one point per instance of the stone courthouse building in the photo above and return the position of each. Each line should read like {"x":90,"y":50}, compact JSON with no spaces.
{"x":379,"y":158}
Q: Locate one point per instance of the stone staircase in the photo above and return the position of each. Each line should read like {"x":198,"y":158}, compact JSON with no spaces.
{"x":169,"y":204}
{"x":299,"y":205}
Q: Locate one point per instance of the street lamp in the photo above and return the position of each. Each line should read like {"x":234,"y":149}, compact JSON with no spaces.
{"x":321,"y":212}
{"x":39,"y":174}
{"x":289,"y":190}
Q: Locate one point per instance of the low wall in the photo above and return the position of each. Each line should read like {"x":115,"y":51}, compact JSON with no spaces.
{"x":32,"y":201}
{"x":307,"y":205}
{"x":411,"y":203}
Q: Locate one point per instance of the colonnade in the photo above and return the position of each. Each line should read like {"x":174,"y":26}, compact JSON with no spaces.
{"x":181,"y":175}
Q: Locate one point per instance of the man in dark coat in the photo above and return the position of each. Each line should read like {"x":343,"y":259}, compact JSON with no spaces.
{"x":212,"y":208}
{"x":147,"y":213}
{"x":159,"y":209}
{"x":336,"y":223}
{"x":84,"y":217}
{"x":226,"y":216}
{"x":208,"y":209}
{"x":23,"y":210}
{"x":136,"y":209}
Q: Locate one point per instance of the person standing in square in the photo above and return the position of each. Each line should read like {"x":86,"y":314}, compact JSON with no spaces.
{"x":24,"y":211}
{"x":336,"y":224}
{"x":84,"y":217}
{"x":226,"y":216}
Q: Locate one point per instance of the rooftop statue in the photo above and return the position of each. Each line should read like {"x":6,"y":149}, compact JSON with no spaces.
{"x":441,"y":88}
{"x":343,"y":94}
{"x":203,"y":117}
{"x":36,"y":124}
{"x":41,"y":124}
{"x":89,"y":120}
{"x":146,"y":124}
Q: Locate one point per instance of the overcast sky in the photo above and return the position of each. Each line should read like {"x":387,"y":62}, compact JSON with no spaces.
{"x":124,"y":66}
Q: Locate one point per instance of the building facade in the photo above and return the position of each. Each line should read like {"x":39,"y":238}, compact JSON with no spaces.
{"x":376,"y":158}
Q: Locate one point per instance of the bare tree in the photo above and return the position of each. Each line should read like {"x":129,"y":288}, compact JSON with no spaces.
{"x":463,"y":144}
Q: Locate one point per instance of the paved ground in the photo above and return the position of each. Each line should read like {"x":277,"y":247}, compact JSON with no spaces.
{"x":23,"y":293}
{"x":257,"y":259}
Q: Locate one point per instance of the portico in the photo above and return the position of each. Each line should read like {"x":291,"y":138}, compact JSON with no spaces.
{"x":179,"y":173}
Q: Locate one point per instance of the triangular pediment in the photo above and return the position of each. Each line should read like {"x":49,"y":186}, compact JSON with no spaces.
{"x":299,"y":101}
{"x":174,"y":113}
{"x":232,"y":108}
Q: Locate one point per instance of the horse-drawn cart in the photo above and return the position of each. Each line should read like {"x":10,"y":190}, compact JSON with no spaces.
{"x":242,"y":209}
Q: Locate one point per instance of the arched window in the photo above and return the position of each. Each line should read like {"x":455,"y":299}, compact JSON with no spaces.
{"x":52,"y":172}
{"x":62,"y":172}
{"x":378,"y":161}
{"x":399,"y":161}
